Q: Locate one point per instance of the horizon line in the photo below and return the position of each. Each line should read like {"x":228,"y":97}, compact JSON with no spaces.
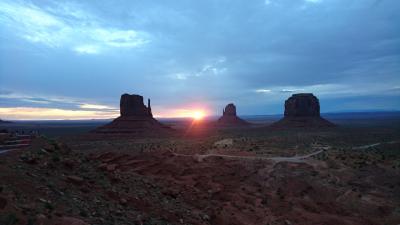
{"x":206,"y":117}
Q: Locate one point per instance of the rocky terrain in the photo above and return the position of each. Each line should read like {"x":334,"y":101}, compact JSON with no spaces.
{"x":232,"y":178}
{"x":127,"y":172}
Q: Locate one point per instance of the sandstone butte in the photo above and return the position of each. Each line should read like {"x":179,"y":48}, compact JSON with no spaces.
{"x":135,"y":118}
{"x":302,"y":111}
{"x":229,"y":118}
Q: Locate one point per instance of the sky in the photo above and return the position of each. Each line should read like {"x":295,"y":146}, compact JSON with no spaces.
{"x":73,"y":59}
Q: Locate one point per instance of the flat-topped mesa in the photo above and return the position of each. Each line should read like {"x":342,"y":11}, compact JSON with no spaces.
{"x":135,"y":118}
{"x":302,"y":110}
{"x":132,"y":105}
{"x":229,"y":117}
{"x":305,"y":104}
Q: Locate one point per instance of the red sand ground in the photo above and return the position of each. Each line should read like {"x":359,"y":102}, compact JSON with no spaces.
{"x":226,"y":191}
{"x":50,"y":182}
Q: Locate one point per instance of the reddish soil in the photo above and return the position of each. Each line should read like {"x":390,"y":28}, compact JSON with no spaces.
{"x":50,"y":184}
{"x":226,"y":191}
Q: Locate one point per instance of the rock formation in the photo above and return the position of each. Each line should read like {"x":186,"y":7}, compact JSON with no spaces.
{"x":229,"y":117}
{"x":302,"y":105}
{"x":230,"y":110}
{"x":132,"y":105}
{"x":135,"y":118}
{"x":302,"y":110}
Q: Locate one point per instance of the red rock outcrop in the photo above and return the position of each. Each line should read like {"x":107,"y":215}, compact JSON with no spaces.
{"x":230,"y":110}
{"x":302,"y":110}
{"x":302,"y":105}
{"x":135,"y":118}
{"x":230,"y":119}
{"x":132,"y":105}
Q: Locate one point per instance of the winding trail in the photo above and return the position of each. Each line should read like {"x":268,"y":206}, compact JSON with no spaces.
{"x":15,"y":143}
{"x":373,"y":145}
{"x":275,"y":159}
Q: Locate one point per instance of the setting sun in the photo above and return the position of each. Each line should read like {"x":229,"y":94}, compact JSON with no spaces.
{"x":198,"y":115}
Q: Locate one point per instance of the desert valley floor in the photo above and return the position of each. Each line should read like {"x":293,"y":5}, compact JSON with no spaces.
{"x":344,"y":175}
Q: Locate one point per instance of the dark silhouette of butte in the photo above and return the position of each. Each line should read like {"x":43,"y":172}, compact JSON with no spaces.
{"x":302,"y":110}
{"x":230,"y":119}
{"x":135,"y":118}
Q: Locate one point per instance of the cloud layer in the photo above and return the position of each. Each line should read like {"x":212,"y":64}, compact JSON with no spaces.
{"x":65,"y":25}
{"x":200,"y":53}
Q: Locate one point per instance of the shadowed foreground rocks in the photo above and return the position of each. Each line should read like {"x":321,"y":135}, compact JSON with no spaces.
{"x":302,"y":110}
{"x":135,"y":118}
{"x":230,"y":119}
{"x":52,"y":183}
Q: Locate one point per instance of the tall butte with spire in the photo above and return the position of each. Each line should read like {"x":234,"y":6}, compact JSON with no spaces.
{"x":135,"y":118}
{"x":229,"y":117}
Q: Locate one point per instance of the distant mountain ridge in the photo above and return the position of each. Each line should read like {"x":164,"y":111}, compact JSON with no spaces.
{"x":3,"y":121}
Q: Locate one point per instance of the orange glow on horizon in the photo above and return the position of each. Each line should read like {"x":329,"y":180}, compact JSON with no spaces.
{"x":32,"y":113}
{"x":91,"y":112}
{"x":198,"y":115}
{"x":195,"y":114}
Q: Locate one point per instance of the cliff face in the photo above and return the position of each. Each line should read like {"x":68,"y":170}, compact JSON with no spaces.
{"x":302,"y":105}
{"x":229,"y":118}
{"x":230,"y":110}
{"x":135,"y":118}
{"x":302,"y":110}
{"x":132,"y":105}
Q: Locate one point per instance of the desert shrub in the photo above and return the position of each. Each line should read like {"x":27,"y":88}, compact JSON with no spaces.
{"x":49,"y":206}
{"x":83,"y":213}
{"x":31,"y":221}
{"x":8,"y":219}
{"x":55,"y":158}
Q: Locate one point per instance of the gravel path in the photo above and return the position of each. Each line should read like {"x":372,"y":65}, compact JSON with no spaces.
{"x":275,"y":159}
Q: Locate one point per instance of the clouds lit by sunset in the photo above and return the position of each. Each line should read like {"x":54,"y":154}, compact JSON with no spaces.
{"x":73,"y":59}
